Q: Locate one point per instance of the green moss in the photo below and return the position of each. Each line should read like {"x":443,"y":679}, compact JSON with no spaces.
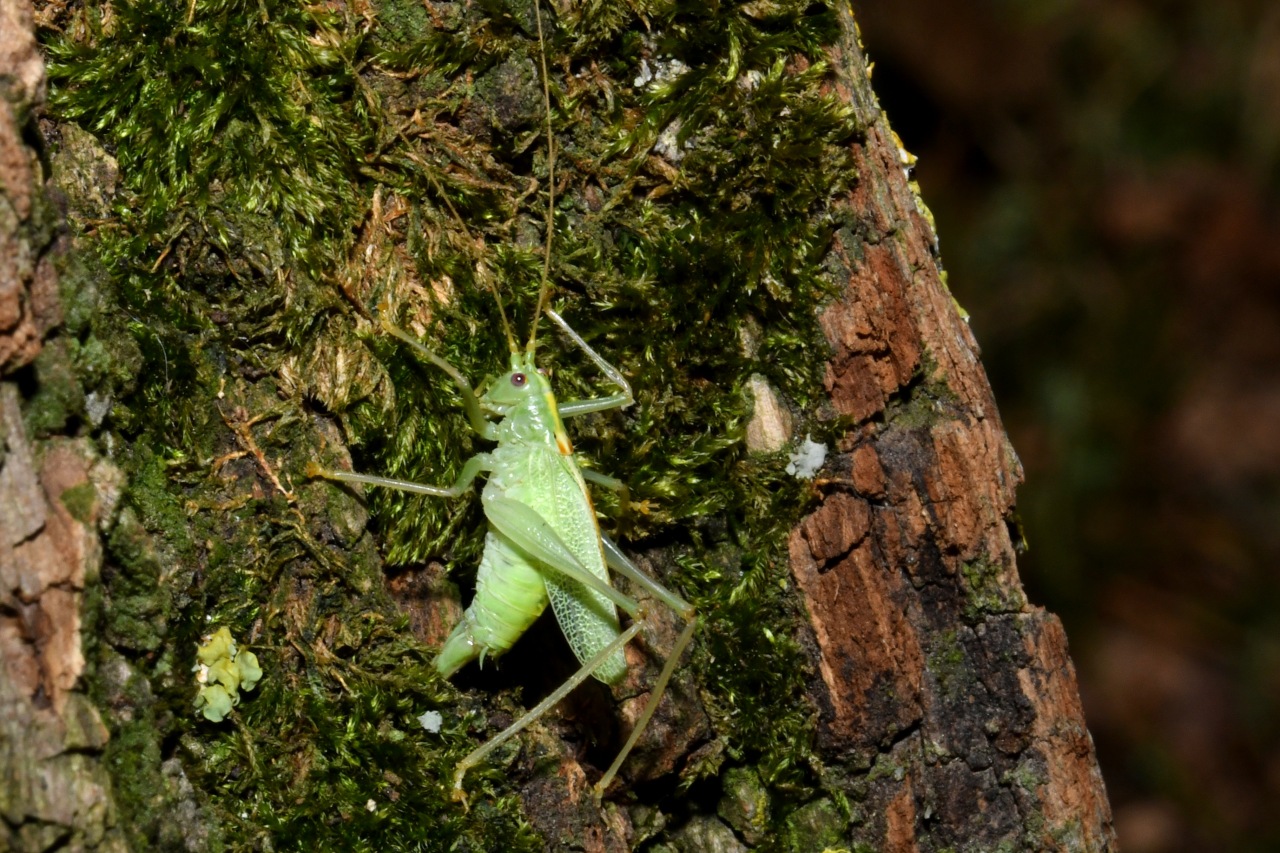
{"x":310,"y":780}
{"x":400,"y":22}
{"x":79,"y":501}
{"x":1026,"y":777}
{"x":985,"y":590}
{"x":948,"y":665}
{"x":147,"y":790}
{"x":151,"y":493}
{"x":248,"y":181}
{"x":138,"y":606}
{"x":133,"y":758}
{"x":745,"y":804}
{"x":886,"y":767}
{"x":59,"y":396}
{"x":816,"y":826}
{"x":1070,"y":835}
{"x":922,"y":402}
{"x":205,"y":136}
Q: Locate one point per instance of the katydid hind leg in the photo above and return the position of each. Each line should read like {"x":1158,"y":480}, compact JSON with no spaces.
{"x":622,"y":564}
{"x":533,"y":714}
{"x":523,"y":526}
{"x":656,"y":693}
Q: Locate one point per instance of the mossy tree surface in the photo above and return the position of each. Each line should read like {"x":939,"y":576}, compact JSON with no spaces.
{"x":285,"y":171}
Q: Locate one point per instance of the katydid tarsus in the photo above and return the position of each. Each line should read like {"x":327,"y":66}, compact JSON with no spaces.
{"x":543,"y":542}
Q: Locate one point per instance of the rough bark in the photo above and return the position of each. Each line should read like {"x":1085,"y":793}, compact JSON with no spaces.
{"x":931,"y":660}
{"x":54,"y":791}
{"x":937,"y":710}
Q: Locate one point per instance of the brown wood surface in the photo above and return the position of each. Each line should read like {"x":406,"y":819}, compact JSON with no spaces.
{"x":931,"y":661}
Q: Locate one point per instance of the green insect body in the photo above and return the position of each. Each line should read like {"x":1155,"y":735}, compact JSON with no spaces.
{"x":543,"y":542}
{"x":533,"y":465}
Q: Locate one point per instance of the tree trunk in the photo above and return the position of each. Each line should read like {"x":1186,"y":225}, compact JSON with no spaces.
{"x":245,"y":186}
{"x":935,"y":672}
{"x":54,"y":789}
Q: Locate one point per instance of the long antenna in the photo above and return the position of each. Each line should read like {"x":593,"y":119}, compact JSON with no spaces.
{"x":545,"y":286}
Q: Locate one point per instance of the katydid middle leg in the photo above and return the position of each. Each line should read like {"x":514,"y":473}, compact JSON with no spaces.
{"x":471,"y":469}
{"x":620,"y":563}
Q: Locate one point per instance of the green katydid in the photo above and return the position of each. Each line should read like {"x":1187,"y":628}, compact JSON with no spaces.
{"x":543,"y":543}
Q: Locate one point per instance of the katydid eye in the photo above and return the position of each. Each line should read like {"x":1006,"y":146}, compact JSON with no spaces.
{"x":519,"y":379}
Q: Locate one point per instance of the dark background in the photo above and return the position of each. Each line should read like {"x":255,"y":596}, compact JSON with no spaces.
{"x":1105,"y":180}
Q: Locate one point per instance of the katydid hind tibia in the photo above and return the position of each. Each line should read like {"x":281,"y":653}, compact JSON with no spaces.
{"x":543,"y":543}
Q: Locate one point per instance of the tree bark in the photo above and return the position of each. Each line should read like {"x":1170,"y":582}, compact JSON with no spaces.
{"x":54,"y":789}
{"x":932,"y":662}
{"x":874,"y":681}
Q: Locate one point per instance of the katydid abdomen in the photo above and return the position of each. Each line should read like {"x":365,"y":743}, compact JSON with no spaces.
{"x":510,"y":595}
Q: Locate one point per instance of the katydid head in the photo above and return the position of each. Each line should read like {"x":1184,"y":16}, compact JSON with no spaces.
{"x":522,"y":397}
{"x":523,"y":383}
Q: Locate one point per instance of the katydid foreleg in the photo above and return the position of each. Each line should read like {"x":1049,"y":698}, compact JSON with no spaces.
{"x":571,"y":408}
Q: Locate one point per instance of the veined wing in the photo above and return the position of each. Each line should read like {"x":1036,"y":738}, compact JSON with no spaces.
{"x":555,"y":490}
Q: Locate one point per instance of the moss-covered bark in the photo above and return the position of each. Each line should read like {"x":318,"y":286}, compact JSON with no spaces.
{"x":55,"y":792}
{"x":248,"y":182}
